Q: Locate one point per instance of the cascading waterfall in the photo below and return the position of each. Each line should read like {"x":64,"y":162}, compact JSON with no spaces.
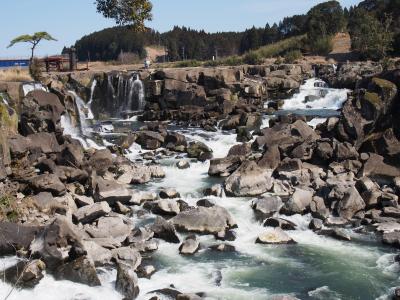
{"x":136,"y":94}
{"x":92,"y":88}
{"x":79,"y":129}
{"x":315,"y":94}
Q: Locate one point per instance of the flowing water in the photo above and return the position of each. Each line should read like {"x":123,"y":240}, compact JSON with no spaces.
{"x":317,"y":267}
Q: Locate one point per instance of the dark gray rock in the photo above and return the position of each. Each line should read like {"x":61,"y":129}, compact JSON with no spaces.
{"x":127,"y":282}
{"x":80,"y":270}
{"x":90,"y":213}
{"x":164,"y":230}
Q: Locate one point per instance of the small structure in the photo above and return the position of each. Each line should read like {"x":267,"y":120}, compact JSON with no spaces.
{"x":55,"y":63}
{"x":59,"y":63}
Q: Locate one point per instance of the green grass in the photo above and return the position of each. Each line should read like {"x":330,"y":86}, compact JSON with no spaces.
{"x":8,"y":209}
{"x":254,"y":57}
{"x":281,"y":47}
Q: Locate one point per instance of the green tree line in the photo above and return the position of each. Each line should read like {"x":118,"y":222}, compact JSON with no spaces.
{"x":374,"y":26}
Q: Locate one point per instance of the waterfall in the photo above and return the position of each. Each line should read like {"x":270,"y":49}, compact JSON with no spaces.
{"x":334,"y":66}
{"x":80,"y":129}
{"x":110,"y":87}
{"x":136,"y":99}
{"x":315,"y":94}
{"x":93,"y":86}
{"x":84,"y":113}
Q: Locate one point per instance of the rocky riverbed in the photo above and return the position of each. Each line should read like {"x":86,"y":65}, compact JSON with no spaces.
{"x":257,"y":182}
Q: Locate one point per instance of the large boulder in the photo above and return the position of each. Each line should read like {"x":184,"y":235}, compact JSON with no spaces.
{"x":204,"y":220}
{"x":266,"y":206}
{"x":16,"y":237}
{"x":274,"y":236}
{"x":48,"y":183}
{"x":150,"y":140}
{"x":270,"y":159}
{"x":115,"y":227}
{"x":40,"y":112}
{"x":127,"y":256}
{"x":164,"y":230}
{"x":56,"y":241}
{"x":127,"y":282}
{"x":299,"y":202}
{"x":24,"y":274}
{"x":225,"y":165}
{"x":90,"y":213}
{"x":72,"y":155}
{"x":109,"y":191}
{"x":377,"y":169}
{"x":101,"y":161}
{"x":189,"y":246}
{"x":350,"y":204}
{"x":199,"y":150}
{"x":248,"y":180}
{"x":46,"y":142}
{"x":80,"y":270}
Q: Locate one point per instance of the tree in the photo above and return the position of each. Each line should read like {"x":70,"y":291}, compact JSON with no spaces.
{"x":34,"y":39}
{"x":126,"y":12}
{"x":325,"y":19}
{"x":371,"y":38}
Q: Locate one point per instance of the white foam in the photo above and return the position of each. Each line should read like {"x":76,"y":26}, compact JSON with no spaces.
{"x":329,"y":99}
{"x":316,"y":121}
{"x":50,"y":289}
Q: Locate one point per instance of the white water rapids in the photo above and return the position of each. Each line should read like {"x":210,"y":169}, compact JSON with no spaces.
{"x":317,"y":267}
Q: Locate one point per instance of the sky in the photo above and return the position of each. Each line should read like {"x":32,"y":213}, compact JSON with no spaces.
{"x":69,"y":20}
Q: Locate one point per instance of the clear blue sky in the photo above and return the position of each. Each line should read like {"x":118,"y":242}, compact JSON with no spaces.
{"x":69,"y":20}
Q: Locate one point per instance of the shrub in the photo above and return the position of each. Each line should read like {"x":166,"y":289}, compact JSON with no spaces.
{"x":321,"y":46}
{"x":35,"y":69}
{"x":292,"y":55}
{"x":8,"y":209}
{"x":233,"y":61}
{"x":253,"y":58}
{"x":188,"y":63}
{"x":213,"y":63}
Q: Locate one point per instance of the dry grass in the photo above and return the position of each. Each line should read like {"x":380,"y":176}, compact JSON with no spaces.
{"x":15,"y":74}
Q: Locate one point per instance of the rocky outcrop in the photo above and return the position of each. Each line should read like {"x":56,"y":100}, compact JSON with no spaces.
{"x":206,"y":220}
{"x":274,"y":236}
{"x":248,"y":180}
{"x":127,"y":282}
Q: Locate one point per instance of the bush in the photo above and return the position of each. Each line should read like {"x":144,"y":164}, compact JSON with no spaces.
{"x":233,"y":61}
{"x":321,"y":46}
{"x":292,"y":55}
{"x":278,"y":48}
{"x":36,"y":69}
{"x":188,"y":63}
{"x":8,"y":209}
{"x":253,"y":58}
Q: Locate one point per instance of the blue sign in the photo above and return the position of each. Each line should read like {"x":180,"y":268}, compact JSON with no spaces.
{"x":12,"y":63}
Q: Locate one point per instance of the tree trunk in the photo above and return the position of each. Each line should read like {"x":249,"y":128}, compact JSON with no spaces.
{"x":31,"y":61}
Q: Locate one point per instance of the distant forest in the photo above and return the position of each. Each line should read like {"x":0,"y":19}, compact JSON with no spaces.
{"x":372,"y":23}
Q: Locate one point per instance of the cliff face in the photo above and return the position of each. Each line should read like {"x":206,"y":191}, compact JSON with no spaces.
{"x":169,"y":91}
